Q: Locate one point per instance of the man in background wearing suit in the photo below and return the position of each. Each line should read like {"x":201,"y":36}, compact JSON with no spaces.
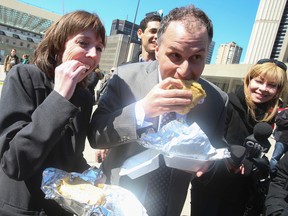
{"x":147,"y":33}
{"x":137,"y":95}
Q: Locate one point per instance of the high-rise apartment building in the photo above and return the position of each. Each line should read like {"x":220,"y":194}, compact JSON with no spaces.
{"x":269,"y":37}
{"x":210,"y":52}
{"x":229,"y":53}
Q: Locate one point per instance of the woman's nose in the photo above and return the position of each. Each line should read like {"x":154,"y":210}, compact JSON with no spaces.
{"x":264,"y":87}
{"x":92,"y":52}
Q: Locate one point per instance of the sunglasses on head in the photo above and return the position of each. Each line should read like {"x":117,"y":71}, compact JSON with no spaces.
{"x":278,"y":63}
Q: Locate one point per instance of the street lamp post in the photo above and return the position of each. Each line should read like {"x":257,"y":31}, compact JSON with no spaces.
{"x":62,"y":7}
{"x":132,"y":29}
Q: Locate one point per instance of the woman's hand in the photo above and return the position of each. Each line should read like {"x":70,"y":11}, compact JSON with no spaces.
{"x":67,"y":75}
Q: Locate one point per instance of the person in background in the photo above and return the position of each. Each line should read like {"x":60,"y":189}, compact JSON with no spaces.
{"x":137,"y":100}
{"x":10,"y":60}
{"x":100,"y":154}
{"x":45,"y":113}
{"x":147,"y":34}
{"x":281,"y":138}
{"x":25,"y":59}
{"x":276,"y":203}
{"x":93,"y":80}
{"x":257,"y":100}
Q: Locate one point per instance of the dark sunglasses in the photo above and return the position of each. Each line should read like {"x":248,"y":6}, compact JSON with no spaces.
{"x":278,"y":63}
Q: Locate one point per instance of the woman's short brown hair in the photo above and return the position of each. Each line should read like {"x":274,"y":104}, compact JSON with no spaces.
{"x":48,"y":53}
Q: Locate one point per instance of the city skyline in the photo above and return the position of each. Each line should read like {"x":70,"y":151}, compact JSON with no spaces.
{"x":232,"y":20}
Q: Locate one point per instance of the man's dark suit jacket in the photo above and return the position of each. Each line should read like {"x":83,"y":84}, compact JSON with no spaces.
{"x":113,"y":125}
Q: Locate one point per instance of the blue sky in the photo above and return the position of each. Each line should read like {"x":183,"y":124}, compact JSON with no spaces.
{"x":232,"y":19}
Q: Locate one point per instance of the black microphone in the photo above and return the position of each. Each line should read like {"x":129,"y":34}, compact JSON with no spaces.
{"x":257,"y":144}
{"x":237,"y":154}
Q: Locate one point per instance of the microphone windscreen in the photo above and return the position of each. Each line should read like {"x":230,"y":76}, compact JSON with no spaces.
{"x":262,"y":131}
{"x":237,"y":153}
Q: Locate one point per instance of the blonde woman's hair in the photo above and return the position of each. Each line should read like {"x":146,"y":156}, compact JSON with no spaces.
{"x":269,"y":71}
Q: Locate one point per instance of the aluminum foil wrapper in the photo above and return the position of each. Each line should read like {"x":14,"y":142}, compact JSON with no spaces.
{"x":177,"y":139}
{"x":119,"y":201}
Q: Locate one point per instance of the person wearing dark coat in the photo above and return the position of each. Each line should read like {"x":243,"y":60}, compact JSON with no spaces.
{"x":92,"y":82}
{"x":147,"y":34}
{"x":45,"y":113}
{"x":277,"y":198}
{"x":281,"y":138}
{"x":234,"y":193}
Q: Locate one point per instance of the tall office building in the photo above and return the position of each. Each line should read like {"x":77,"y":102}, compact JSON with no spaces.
{"x":125,"y":27}
{"x":210,"y":52}
{"x":116,"y":51}
{"x":229,"y":53}
{"x":269,"y":37}
{"x":120,"y":47}
{"x":159,"y":12}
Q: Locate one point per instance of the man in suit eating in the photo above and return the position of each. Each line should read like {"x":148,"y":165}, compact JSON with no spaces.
{"x":139,"y":95}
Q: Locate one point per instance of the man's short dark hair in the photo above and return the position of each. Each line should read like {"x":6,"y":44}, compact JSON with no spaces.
{"x":149,"y":18}
{"x":186,"y":14}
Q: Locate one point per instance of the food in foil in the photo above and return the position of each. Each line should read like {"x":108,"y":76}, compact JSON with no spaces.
{"x":178,"y":139}
{"x":82,"y":192}
{"x":183,"y":147}
{"x":85,"y":194}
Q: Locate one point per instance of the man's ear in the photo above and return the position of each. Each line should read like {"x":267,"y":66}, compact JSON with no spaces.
{"x":156,"y":51}
{"x":139,"y":33}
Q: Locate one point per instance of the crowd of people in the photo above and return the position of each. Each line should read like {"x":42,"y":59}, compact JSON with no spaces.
{"x":47,"y":114}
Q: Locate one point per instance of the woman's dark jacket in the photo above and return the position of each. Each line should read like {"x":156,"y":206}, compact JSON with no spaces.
{"x":38,"y":129}
{"x":239,"y":126}
{"x":227,"y":194}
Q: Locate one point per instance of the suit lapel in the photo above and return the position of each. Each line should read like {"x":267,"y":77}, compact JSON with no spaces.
{"x":150,"y":80}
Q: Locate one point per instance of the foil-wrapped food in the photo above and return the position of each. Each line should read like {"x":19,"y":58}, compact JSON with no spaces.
{"x":85,"y":194}
{"x":183,"y":147}
{"x":179,"y":139}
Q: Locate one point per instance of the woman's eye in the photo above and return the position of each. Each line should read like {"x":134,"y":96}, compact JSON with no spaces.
{"x":272,"y":85}
{"x":99,"y":49}
{"x":258,"y":81}
{"x":82,"y":43}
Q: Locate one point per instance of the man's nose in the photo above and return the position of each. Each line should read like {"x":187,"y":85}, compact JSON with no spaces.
{"x":184,"y":69}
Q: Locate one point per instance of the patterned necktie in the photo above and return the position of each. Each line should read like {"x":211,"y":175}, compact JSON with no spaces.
{"x":167,"y":117}
{"x":156,"y":200}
